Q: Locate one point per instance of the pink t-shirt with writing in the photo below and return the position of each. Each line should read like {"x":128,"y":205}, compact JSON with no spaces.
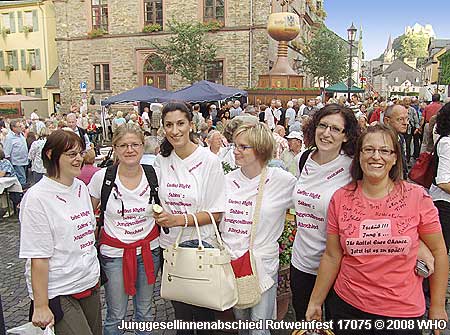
{"x":380,"y":240}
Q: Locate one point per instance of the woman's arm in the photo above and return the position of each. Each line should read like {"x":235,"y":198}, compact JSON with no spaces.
{"x":439,"y":279}
{"x":165,"y":219}
{"x":328,"y":271}
{"x":42,"y":315}
{"x":425,"y":255}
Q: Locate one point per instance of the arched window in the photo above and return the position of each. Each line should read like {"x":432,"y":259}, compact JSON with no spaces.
{"x":155,"y":72}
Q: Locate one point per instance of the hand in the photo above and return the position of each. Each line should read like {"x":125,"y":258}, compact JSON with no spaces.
{"x":165,"y":219}
{"x":42,"y":317}
{"x":437,"y":313}
{"x":314,"y":312}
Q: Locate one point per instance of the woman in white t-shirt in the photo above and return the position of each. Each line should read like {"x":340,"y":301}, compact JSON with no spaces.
{"x":129,"y":244}
{"x":191,"y":182}
{"x":57,"y":238}
{"x":332,"y":132}
{"x":254,"y":146}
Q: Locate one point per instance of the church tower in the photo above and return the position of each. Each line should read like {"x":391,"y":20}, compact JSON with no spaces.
{"x":388,"y":55}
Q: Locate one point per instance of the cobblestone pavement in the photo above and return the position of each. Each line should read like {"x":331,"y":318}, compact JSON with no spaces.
{"x":15,"y":297}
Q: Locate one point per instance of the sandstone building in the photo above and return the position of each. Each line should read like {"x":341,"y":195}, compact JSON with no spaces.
{"x":104,"y":43}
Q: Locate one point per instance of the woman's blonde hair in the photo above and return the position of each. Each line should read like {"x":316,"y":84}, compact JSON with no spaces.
{"x":260,"y":138}
{"x":89,"y":157}
{"x":127,"y":128}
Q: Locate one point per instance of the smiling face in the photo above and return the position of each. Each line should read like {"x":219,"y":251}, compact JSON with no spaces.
{"x":376,"y":164}
{"x":329,"y":140}
{"x":129,"y":149}
{"x":177,"y":128}
{"x":244,"y":155}
{"x":70,"y":163}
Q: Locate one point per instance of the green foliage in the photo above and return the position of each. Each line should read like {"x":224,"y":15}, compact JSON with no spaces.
{"x":445,"y":68}
{"x":286,"y":240}
{"x":186,"y":52}
{"x":213,"y":25}
{"x":326,"y":56}
{"x":414,"y":46}
{"x":5,"y":32}
{"x":96,"y":33}
{"x":227,"y":168}
{"x":150,"y":28}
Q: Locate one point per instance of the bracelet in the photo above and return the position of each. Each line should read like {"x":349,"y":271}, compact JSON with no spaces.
{"x":186,"y":220}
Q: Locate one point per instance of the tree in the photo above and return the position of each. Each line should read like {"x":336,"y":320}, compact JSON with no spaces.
{"x":414,"y":46}
{"x":326,"y":56}
{"x":444,"y":61}
{"x":186,"y":52}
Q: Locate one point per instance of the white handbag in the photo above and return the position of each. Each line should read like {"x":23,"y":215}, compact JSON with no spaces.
{"x":199,"y":276}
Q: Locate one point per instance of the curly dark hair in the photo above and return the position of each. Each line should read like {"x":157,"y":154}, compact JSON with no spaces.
{"x":166,"y":147}
{"x":443,"y":120}
{"x":351,"y":126}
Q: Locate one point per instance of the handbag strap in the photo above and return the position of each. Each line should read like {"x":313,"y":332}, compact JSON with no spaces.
{"x":262,"y":181}
{"x":213,"y":222}
{"x":200,"y":244}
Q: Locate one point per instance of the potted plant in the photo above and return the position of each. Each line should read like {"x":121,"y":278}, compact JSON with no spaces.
{"x":8,"y":69}
{"x":96,"y":32}
{"x":27,"y":29}
{"x":30,"y":68}
{"x":150,"y":28}
{"x":5,"y":32}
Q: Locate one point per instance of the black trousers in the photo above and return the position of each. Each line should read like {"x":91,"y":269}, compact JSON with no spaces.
{"x":2,"y":320}
{"x":302,"y":284}
{"x":444,"y":217}
{"x":340,"y":310}
{"x":187,"y":312}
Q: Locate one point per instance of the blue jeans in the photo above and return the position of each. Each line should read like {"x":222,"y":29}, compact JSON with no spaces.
{"x":265,"y":310}
{"x":21,"y":172}
{"x":117,"y":299}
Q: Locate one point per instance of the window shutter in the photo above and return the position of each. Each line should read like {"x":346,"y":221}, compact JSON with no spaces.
{"x":35,"y":21}
{"x":18,"y":90}
{"x":38,"y":92}
{"x":20,"y":21}
{"x":38,"y":58}
{"x":2,"y":62}
{"x":23,"y":59}
{"x":12,"y":20}
{"x":15,"y":60}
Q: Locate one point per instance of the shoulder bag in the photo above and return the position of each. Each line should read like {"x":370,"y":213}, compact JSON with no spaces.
{"x":244,"y":267}
{"x":199,"y":276}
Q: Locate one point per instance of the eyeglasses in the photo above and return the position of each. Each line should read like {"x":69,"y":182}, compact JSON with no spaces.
{"x":134,"y":146}
{"x":384,"y":152}
{"x":74,"y":154}
{"x":240,"y":147}
{"x":333,"y":129}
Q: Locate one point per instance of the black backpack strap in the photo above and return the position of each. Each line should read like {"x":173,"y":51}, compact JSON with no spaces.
{"x":303,"y":159}
{"x":107,"y":186}
{"x":152,"y":179}
{"x":436,"y":160}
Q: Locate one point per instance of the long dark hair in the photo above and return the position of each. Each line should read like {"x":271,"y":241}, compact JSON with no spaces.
{"x":396,"y":172}
{"x":166,"y":147}
{"x":351,"y":127}
{"x":443,"y":120}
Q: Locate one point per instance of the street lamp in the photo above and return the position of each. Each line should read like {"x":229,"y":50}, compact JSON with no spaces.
{"x":351,"y":35}
{"x":439,"y":77}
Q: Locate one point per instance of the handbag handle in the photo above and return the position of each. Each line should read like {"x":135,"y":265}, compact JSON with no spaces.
{"x":213,"y":222}
{"x":200,"y":244}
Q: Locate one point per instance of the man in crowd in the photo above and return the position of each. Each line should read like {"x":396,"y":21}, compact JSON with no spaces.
{"x":236,"y":110}
{"x":413,"y":131}
{"x":319,"y":103}
{"x":310,"y":108}
{"x":291,"y":156}
{"x":431,"y":109}
{"x":155,"y":120}
{"x":272,"y":115}
{"x":281,"y":143}
{"x":71,"y":119}
{"x":197,"y":117}
{"x":16,"y":150}
{"x":396,"y":116}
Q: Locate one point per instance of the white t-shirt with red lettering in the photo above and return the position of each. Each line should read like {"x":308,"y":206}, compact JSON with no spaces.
{"x":312,"y":194}
{"x":57,"y":222}
{"x":135,"y":224}
{"x":190,"y":185}
{"x":241,"y":193}
{"x":380,"y":240}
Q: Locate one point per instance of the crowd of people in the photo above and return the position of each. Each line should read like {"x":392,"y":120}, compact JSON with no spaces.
{"x":341,"y":165}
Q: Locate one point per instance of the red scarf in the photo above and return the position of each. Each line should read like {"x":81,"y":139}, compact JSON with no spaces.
{"x":129,"y":260}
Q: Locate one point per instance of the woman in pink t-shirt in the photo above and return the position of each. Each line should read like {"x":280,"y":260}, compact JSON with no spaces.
{"x":374,"y":227}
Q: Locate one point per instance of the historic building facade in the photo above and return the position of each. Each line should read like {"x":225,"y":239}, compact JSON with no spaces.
{"x":107,"y":43}
{"x":27,"y":48}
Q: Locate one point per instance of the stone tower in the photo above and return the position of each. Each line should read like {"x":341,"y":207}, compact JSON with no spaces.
{"x":388,"y":55}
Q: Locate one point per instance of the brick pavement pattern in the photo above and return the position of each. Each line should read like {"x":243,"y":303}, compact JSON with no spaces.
{"x":15,"y":296}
